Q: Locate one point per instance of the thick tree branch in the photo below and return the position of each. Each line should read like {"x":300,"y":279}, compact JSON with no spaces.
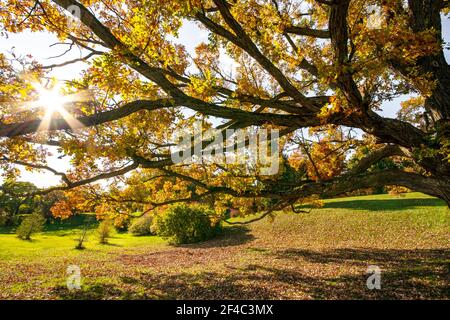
{"x":38,"y":166}
{"x":242,"y":40}
{"x":304,"y":31}
{"x":339,"y":41}
{"x":70,"y":185}
{"x":429,"y":185}
{"x":375,"y":156}
{"x":32,"y":126}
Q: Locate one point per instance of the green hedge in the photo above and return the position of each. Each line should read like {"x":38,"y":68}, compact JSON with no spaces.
{"x":187,"y":224}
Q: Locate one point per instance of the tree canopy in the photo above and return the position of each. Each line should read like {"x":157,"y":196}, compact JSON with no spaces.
{"x":316,"y":70}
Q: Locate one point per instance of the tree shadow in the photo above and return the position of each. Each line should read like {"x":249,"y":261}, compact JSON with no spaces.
{"x":405,"y":274}
{"x":110,"y":244}
{"x":384,"y":204}
{"x":75,"y":223}
{"x":7,"y":230}
{"x":395,"y":257}
{"x":31,"y":240}
{"x":97,"y":292}
{"x":206,"y":286}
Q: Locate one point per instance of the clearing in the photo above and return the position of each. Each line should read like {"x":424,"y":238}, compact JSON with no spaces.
{"x":319,"y":255}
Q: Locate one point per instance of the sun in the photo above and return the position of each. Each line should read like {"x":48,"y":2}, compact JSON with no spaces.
{"x":51,"y":100}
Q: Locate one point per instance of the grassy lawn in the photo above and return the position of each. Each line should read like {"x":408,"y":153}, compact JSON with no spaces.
{"x":323,"y":254}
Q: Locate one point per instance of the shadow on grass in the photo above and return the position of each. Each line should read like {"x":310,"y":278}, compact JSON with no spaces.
{"x":109,"y":244}
{"x":97,"y":292}
{"x":7,"y":230}
{"x":78,"y":222}
{"x":392,"y":257}
{"x":405,"y":274}
{"x":383,"y":204}
{"x":62,"y":227}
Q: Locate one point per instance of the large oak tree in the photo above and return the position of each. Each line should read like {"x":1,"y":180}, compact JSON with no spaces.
{"x":322,"y":65}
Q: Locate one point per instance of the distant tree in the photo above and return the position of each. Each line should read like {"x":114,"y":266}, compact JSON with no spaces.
{"x":30,"y":225}
{"x":47,"y":201}
{"x":81,"y":240}
{"x":17,"y":198}
{"x":104,"y":230}
{"x":13,"y":199}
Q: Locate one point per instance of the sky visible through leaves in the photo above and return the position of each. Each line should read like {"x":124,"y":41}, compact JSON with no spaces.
{"x":38,"y":44}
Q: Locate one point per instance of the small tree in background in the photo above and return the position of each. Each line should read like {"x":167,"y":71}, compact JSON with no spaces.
{"x":81,"y":239}
{"x":104,"y":230}
{"x":30,"y":225}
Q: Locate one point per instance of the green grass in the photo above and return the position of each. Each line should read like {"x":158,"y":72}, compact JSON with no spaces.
{"x":323,"y":254}
{"x":60,"y":238}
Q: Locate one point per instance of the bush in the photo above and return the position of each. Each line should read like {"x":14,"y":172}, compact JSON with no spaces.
{"x":187,"y":224}
{"x":31,"y":224}
{"x":141,"y":226}
{"x":104,"y":230}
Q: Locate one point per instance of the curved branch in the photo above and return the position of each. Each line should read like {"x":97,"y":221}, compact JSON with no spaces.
{"x":32,"y":126}
{"x":63,"y":64}
{"x":375,"y":156}
{"x":279,"y":205}
{"x":40,"y":167}
{"x":70,"y":185}
{"x":428,"y":185}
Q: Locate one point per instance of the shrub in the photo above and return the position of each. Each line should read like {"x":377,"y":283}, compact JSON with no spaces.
{"x":31,"y":224}
{"x":187,"y":224}
{"x":141,"y":226}
{"x":104,"y":231}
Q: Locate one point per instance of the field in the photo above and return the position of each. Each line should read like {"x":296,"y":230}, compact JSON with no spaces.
{"x":323,"y":254}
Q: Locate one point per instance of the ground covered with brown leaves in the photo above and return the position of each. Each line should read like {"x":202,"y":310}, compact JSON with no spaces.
{"x":324,"y":254}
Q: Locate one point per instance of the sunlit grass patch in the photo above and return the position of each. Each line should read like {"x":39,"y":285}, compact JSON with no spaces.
{"x":323,"y":254}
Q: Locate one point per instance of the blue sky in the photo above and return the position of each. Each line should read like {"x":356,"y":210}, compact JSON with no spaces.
{"x":38,"y":45}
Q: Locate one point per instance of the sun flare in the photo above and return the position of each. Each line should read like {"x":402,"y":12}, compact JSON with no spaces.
{"x":51,"y":99}
{"x":53,"y":102}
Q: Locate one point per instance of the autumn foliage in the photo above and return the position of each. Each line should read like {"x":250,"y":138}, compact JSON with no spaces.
{"x":318,"y":71}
